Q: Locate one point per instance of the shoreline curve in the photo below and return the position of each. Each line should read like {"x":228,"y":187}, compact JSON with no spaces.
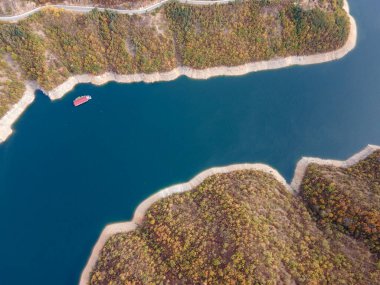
{"x":15,"y":112}
{"x":304,"y":162}
{"x":124,"y":227}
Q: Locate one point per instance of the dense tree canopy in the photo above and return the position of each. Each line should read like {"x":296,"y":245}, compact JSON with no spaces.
{"x":347,"y":199}
{"x":242,"y":227}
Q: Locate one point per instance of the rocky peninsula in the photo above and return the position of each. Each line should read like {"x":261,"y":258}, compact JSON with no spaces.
{"x":56,"y":68}
{"x":253,"y":202}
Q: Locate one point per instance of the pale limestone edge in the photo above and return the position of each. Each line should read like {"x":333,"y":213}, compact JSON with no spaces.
{"x":179,"y":188}
{"x":16,"y":111}
{"x":13,"y":114}
{"x":302,"y":164}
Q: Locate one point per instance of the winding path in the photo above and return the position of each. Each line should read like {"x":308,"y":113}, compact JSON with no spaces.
{"x":86,"y":9}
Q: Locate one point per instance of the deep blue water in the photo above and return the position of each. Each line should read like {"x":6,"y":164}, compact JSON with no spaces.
{"x":66,"y":172}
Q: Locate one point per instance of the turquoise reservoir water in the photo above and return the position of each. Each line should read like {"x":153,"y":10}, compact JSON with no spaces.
{"x":67,"y":172}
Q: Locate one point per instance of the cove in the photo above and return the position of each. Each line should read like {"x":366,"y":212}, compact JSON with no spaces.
{"x":67,"y":172}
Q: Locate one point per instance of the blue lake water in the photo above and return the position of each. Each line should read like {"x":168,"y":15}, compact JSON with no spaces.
{"x":67,"y":172}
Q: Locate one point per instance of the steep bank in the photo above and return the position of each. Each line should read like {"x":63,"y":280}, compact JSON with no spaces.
{"x":168,"y":63}
{"x":250,"y":189}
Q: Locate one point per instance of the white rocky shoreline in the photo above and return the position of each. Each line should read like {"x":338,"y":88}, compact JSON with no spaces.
{"x":14,"y":113}
{"x":140,"y":211}
{"x":305,"y":161}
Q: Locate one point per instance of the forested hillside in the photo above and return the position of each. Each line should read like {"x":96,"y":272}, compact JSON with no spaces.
{"x":53,"y":44}
{"x":243,"y":227}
